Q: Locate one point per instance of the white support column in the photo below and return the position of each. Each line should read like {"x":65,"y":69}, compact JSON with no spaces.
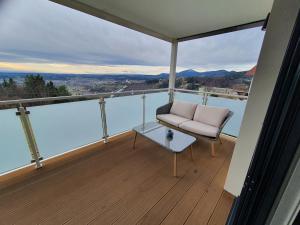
{"x":172,"y":75}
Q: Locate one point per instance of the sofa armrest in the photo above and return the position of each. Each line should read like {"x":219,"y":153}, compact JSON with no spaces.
{"x":230,"y":114}
{"x":165,"y":109}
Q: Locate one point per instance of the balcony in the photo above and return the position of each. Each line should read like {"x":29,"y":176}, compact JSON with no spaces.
{"x":84,"y":180}
{"x":114,"y":184}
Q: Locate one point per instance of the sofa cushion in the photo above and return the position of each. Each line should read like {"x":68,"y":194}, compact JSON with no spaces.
{"x":210,"y":115}
{"x":172,"y":119}
{"x":199,"y":128}
{"x":183,"y":109}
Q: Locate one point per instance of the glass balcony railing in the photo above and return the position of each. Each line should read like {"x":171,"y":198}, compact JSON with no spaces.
{"x":14,"y":152}
{"x":237,"y":106}
{"x":123,"y":113}
{"x":62,"y":127}
{"x":59,"y":128}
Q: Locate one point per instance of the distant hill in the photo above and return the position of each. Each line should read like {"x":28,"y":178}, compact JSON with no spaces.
{"x":251,"y":72}
{"x":206,"y":74}
{"x":193,"y":73}
{"x":183,"y":74}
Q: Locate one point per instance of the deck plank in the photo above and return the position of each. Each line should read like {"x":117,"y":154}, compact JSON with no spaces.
{"x":205,"y":168}
{"x":118,"y":183}
{"x":114,"y":184}
{"x":65,"y":200}
{"x":62,"y":183}
{"x":205,"y":206}
{"x":222,"y":209}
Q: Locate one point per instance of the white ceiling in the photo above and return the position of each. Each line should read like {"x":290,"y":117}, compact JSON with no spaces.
{"x":173,"y":19}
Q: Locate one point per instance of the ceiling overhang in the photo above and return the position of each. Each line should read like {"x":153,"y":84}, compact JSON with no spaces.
{"x":179,"y":20}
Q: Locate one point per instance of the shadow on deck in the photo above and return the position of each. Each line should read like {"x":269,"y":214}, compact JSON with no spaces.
{"x":114,"y":184}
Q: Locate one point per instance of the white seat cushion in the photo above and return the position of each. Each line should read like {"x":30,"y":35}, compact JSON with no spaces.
{"x":172,"y":119}
{"x":200,"y":128}
{"x":210,"y":115}
{"x":183,"y":109}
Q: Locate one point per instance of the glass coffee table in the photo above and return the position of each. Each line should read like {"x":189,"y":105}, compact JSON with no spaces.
{"x":158,"y":133}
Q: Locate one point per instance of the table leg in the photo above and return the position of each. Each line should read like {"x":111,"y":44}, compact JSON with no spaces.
{"x":134,"y":140}
{"x":191,"y":151}
{"x":213,"y":153}
{"x":175,"y":165}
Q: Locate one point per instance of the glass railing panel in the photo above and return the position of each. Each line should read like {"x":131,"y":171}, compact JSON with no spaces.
{"x":124,"y":113}
{"x":237,"y":106}
{"x":14,"y":152}
{"x":62,"y":127}
{"x":193,"y":98}
{"x":153,"y":101}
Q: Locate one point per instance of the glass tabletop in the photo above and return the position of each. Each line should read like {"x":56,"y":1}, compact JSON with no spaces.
{"x":159,"y":134}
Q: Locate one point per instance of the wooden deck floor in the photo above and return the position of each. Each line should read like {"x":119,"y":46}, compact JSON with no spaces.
{"x":114,"y":184}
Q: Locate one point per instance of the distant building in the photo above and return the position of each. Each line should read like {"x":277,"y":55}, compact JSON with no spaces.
{"x":219,"y":90}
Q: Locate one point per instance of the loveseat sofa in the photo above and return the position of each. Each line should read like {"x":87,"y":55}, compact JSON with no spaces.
{"x":195,"y":119}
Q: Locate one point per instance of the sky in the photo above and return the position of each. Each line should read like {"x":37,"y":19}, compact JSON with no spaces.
{"x":42,"y":36}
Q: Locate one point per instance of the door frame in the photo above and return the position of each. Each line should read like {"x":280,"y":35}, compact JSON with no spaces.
{"x":277,"y":144}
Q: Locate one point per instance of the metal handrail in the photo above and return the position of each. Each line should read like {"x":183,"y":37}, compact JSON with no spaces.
{"x":188,"y":91}
{"x":210,"y":93}
{"x":115,"y":94}
{"x":80,"y":97}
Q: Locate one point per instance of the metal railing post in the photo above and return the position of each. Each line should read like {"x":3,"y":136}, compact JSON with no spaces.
{"x":203,"y":98}
{"x":171,"y":95}
{"x":144,"y":109}
{"x":28,"y":131}
{"x":103,"y":119}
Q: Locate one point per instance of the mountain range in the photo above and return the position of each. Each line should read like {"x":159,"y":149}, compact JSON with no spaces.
{"x":183,"y":74}
{"x":194,"y":73}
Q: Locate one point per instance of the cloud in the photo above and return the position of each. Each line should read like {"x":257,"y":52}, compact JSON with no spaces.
{"x":237,"y":50}
{"x":84,"y":68}
{"x":40,"y":31}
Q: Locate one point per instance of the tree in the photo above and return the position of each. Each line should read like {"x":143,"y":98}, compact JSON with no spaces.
{"x":163,"y":84}
{"x":152,"y":81}
{"x":63,"y":91}
{"x":2,"y":91}
{"x":179,"y":82}
{"x":9,"y":84}
{"x":51,"y":89}
{"x":192,"y":86}
{"x":34,"y":86}
{"x":9,"y":88}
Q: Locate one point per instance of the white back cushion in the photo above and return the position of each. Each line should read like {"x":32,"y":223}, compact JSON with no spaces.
{"x":184,"y":109}
{"x":210,"y":115}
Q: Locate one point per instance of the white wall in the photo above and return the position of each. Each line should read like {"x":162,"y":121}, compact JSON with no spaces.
{"x":276,"y":39}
